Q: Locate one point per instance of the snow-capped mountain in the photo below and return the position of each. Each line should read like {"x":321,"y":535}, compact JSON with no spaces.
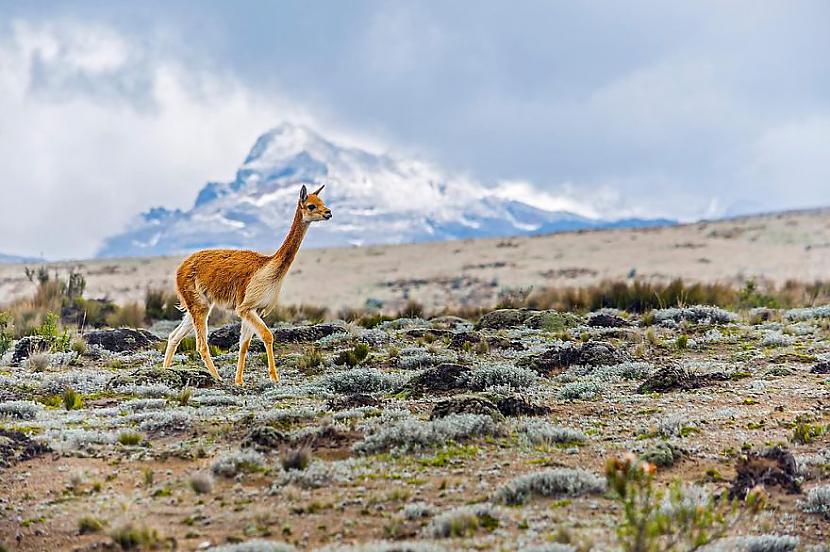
{"x":374,"y":198}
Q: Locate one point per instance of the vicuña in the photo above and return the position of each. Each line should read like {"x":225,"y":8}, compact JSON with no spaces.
{"x":245,"y":281}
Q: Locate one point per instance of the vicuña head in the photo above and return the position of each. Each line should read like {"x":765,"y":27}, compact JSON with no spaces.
{"x":245,"y":281}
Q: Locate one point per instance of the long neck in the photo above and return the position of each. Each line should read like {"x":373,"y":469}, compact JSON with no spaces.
{"x":288,"y":250}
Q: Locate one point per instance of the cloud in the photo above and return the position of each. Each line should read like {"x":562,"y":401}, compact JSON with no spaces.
{"x":96,"y":128}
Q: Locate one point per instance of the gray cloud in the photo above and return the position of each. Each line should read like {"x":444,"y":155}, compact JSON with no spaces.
{"x":679,"y":109}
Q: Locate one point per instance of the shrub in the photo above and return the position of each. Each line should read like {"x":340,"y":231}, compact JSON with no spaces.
{"x":48,"y":330}
{"x":243,"y":461}
{"x":579,"y":390}
{"x":558,"y":482}
{"x":201,"y":482}
{"x":818,"y":501}
{"x":463,"y":521}
{"x":295,"y":458}
{"x":72,"y":400}
{"x":542,"y":432}
{"x":161,"y":305}
{"x":38,"y":362}
{"x":90,"y":524}
{"x":311,"y":360}
{"x":507,"y":375}
{"x":360,"y":380}
{"x":411,"y":434}
{"x":130,"y":315}
{"x":22,"y":410}
{"x":131,"y":537}
{"x":6,"y":332}
{"x":130,"y":438}
{"x":412,"y":309}
{"x":353,"y":357}
{"x":79,"y":346}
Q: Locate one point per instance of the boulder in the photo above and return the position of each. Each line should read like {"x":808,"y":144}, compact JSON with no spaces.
{"x":503,"y":318}
{"x":227,"y":337}
{"x":121,"y":340}
{"x":443,"y":378}
{"x":558,"y":358}
{"x":774,"y":467}
{"x":517,"y":406}
{"x":175,"y":377}
{"x":602,"y":320}
{"x":264,"y":438}
{"x":27,"y":346}
{"x":17,"y":447}
{"x":671,"y":378}
{"x":357,"y":400}
{"x":466,"y":405}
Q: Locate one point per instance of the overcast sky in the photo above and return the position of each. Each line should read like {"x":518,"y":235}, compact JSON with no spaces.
{"x":680,"y":109}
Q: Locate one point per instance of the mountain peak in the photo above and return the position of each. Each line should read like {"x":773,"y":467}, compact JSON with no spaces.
{"x":375,"y":198}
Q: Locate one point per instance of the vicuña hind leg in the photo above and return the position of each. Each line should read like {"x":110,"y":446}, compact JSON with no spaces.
{"x":246,"y":332}
{"x":264,"y":333}
{"x":176,"y":337}
{"x":200,"y":323}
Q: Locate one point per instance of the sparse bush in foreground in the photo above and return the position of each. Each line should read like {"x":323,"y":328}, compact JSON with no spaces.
{"x":243,"y":461}
{"x":463,"y":521}
{"x":295,"y":458}
{"x":38,"y":362}
{"x":72,"y":400}
{"x":558,"y":482}
{"x":411,"y":434}
{"x":361,"y":380}
{"x":654,"y":520}
{"x":353,"y":357}
{"x":130,"y":438}
{"x":542,"y":432}
{"x":579,"y":390}
{"x":90,"y":524}
{"x":132,"y":537}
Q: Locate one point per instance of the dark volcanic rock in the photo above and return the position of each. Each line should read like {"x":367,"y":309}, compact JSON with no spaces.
{"x":607,"y":321}
{"x":517,"y":406}
{"x":264,"y":438}
{"x":172,"y":377}
{"x":119,"y":340}
{"x":458,"y":339}
{"x":227,"y":337}
{"x":771,"y":467}
{"x":466,"y":405}
{"x":357,"y":400}
{"x":592,"y":353}
{"x":441,"y":379}
{"x":671,"y":378}
{"x":17,"y":447}
{"x":28,"y":346}
{"x":822,"y":367}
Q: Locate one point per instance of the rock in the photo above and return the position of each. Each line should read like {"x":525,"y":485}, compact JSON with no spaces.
{"x":441,"y":379}
{"x":174,"y":377}
{"x":822,"y":367}
{"x":356,"y":400}
{"x":771,"y":467}
{"x":552,"y":321}
{"x":450,"y":323}
{"x":17,"y":447}
{"x":466,"y":405}
{"x":434,"y":333}
{"x":558,"y":358}
{"x":27,"y":346}
{"x":120,"y":340}
{"x":264,"y":438}
{"x":458,"y":339}
{"x":517,"y":406}
{"x":602,"y":320}
{"x":503,"y":318}
{"x":227,"y":337}
{"x":671,"y":378}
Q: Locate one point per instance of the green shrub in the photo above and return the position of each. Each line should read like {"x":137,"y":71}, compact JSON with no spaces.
{"x":72,"y":400}
{"x":6,"y":333}
{"x":353,"y":357}
{"x":311,"y":361}
{"x":90,"y":524}
{"x":48,"y":329}
{"x":130,"y":315}
{"x":161,"y":305}
{"x":130,"y":438}
{"x":131,"y":537}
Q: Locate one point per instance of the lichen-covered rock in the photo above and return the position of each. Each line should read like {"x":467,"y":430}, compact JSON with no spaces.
{"x":822,"y":367}
{"x":558,"y":358}
{"x":119,"y":340}
{"x":503,"y":318}
{"x":441,"y":379}
{"x":517,"y":406}
{"x":264,"y":438}
{"x":603,"y":320}
{"x":466,"y":405}
{"x":227,"y":337}
{"x":28,"y":346}
{"x":552,"y":321}
{"x":673,"y":378}
{"x":175,"y":377}
{"x":774,"y":467}
{"x":17,"y":447}
{"x":458,"y":340}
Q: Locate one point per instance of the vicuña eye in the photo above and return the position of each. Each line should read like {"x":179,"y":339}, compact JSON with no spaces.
{"x":311,"y":207}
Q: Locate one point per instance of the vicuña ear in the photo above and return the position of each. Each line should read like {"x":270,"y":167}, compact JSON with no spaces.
{"x":303,"y":193}
{"x":320,"y":189}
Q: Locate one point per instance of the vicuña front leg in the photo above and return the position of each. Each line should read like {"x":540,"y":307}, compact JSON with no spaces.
{"x":246,"y":332}
{"x":267,"y":338}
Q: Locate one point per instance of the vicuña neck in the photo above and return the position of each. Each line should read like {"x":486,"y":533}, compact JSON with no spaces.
{"x":288,"y":250}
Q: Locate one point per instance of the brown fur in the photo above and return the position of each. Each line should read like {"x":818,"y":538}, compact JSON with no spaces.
{"x":245,"y":281}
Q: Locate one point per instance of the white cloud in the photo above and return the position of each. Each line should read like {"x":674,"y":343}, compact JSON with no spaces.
{"x":96,"y":128}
